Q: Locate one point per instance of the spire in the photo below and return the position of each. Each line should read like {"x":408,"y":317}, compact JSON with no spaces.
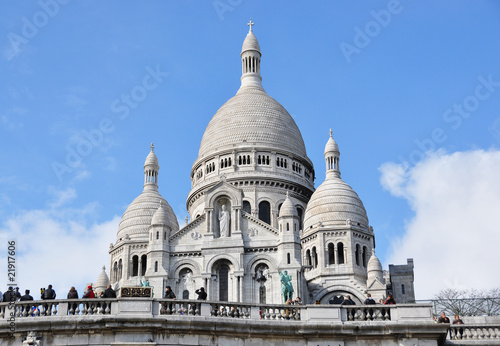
{"x":151,"y":169}
{"x":332,"y":156}
{"x":250,"y":61}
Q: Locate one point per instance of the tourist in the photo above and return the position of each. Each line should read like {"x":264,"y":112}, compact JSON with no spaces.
{"x":390,"y":300}
{"x":109,"y":292}
{"x":369,"y":300}
{"x":457,"y":320}
{"x":9,"y":295}
{"x":90,"y":293}
{"x":72,"y":294}
{"x":26,"y":296}
{"x":18,"y":295}
{"x":169,"y":294}
{"x":297,"y":301}
{"x":348,"y":301}
{"x":49,"y":293}
{"x":443,"y":318}
{"x":202,"y":295}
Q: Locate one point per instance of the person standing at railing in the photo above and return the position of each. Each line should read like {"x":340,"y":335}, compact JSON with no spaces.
{"x":457,"y":320}
{"x":24,"y":298}
{"x":390,"y":300}
{"x":48,"y":294}
{"x":169,"y":294}
{"x":369,"y":301}
{"x":202,"y":295}
{"x":72,"y":294}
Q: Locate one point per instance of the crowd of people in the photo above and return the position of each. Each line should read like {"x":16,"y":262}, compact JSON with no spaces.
{"x":49,"y":293}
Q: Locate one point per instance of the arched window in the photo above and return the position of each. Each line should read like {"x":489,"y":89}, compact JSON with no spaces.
{"x":300,"y":213}
{"x":340,"y":253}
{"x":403,"y":289}
{"x":156,"y":266}
{"x":115,"y":271}
{"x":185,"y":294}
{"x":287,"y":226}
{"x":265,"y":212}
{"x":288,"y":258}
{"x":357,"y":254}
{"x":247,"y":208}
{"x":315,"y":257}
{"x":223,"y":283}
{"x":120,"y":269}
{"x":135,"y":265}
{"x":308,"y":257}
{"x":144,"y":260}
{"x":331,"y":254}
{"x":157,"y":235}
{"x":364,"y":256}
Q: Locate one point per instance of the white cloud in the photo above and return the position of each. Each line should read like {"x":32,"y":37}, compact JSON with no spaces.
{"x":61,"y":197}
{"x":58,"y":247}
{"x":454,"y":235}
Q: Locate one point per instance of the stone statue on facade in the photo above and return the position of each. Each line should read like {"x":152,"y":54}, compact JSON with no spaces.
{"x":224,"y":218}
{"x":286,"y":285}
{"x":144,"y":283}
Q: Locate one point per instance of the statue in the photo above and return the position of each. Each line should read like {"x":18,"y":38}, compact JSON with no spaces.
{"x":145,"y":283}
{"x":224,"y":218}
{"x":286,"y":285}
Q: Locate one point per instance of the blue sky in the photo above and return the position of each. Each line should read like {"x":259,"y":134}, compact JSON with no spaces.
{"x":411,"y":90}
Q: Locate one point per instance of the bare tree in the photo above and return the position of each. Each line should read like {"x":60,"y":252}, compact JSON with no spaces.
{"x":467,"y":302}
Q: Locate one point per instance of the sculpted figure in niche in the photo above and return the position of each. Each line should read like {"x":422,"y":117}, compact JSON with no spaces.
{"x":224,"y":218}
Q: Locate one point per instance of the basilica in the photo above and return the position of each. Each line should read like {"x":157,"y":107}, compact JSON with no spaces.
{"x":254,"y":216}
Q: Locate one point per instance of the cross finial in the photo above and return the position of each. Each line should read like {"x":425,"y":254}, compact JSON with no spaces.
{"x":287,"y":194}
{"x":152,"y":147}
{"x":250,"y":23}
{"x":331,"y":133}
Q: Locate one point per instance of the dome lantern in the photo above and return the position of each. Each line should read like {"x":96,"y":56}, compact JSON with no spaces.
{"x":250,"y":61}
{"x":151,"y":168}
{"x":332,"y":157}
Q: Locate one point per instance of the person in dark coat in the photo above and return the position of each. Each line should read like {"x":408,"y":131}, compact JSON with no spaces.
{"x":8,"y":295}
{"x":369,"y":300}
{"x":26,"y":296}
{"x":348,"y":301}
{"x":49,"y":293}
{"x":202,"y":295}
{"x":73,"y":294}
{"x":109,"y":292}
{"x":390,"y":300}
{"x":18,"y":295}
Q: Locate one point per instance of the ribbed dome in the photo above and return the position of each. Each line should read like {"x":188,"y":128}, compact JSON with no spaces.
{"x":331,"y":145}
{"x":250,"y":43}
{"x":333,"y":203}
{"x":151,"y":159}
{"x":252,"y":118}
{"x":287,"y":208}
{"x":374,"y":264}
{"x":139,"y":214}
{"x":102,"y":280}
{"x":160,"y":217}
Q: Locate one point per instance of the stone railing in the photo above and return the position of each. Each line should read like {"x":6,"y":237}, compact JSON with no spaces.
{"x":187,"y":307}
{"x":47,"y":308}
{"x":463,"y":332}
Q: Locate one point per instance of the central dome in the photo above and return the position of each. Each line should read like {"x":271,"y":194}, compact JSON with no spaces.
{"x":252,"y":118}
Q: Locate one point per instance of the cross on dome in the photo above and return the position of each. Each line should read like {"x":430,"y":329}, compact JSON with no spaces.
{"x":250,"y":23}
{"x":331,"y":133}
{"x":152,"y":147}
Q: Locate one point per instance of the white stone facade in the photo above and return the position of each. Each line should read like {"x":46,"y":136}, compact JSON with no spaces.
{"x":252,"y":171}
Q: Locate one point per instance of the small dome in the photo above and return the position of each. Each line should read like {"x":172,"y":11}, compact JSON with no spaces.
{"x":151,"y":159}
{"x":160,"y":216}
{"x":374,"y":267}
{"x":331,"y":145}
{"x":250,"y":43}
{"x":139,"y":214}
{"x":287,"y":208}
{"x":333,"y":203}
{"x":102,"y":281}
